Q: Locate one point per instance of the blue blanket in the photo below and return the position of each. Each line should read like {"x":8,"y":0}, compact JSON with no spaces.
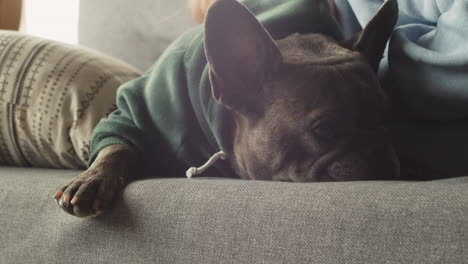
{"x":427,"y":56}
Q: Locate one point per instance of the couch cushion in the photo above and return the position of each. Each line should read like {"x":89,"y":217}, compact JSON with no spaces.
{"x":51,"y":97}
{"x":236,"y":221}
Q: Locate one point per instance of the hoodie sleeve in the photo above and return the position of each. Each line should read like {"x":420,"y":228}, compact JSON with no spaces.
{"x":120,"y":127}
{"x":145,"y":104}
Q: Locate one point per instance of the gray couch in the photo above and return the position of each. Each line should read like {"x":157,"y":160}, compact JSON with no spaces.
{"x":213,"y":220}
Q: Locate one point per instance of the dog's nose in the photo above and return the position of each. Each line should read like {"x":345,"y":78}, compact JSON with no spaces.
{"x":367,"y":156}
{"x":381,"y":163}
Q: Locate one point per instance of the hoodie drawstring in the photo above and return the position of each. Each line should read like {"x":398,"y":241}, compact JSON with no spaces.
{"x":196,"y":171}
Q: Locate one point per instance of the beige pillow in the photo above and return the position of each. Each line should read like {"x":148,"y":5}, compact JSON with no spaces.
{"x":51,"y":97}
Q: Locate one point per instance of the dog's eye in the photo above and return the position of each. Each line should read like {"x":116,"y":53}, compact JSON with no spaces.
{"x":326,"y":131}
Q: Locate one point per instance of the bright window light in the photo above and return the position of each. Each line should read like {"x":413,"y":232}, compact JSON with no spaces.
{"x":52,"y":19}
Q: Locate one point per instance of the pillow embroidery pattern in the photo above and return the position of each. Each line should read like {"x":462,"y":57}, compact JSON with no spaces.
{"x":51,"y":97}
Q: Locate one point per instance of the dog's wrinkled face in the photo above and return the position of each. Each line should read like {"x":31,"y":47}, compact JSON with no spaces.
{"x":305,"y":108}
{"x":317,"y":118}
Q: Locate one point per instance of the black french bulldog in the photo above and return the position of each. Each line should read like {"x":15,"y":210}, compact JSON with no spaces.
{"x":317,"y":114}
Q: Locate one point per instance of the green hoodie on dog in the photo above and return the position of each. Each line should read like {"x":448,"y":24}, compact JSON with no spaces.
{"x":169,"y":115}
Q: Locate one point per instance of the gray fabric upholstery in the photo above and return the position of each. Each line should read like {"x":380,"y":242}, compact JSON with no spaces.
{"x":135,"y":31}
{"x":236,"y":221}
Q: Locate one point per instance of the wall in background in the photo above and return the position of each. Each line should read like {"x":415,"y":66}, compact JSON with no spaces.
{"x":52,"y":19}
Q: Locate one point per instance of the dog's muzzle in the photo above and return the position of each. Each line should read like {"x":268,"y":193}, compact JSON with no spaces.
{"x":367,"y":155}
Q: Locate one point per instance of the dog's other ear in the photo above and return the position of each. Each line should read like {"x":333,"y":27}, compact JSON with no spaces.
{"x":240,"y":53}
{"x":371,"y":41}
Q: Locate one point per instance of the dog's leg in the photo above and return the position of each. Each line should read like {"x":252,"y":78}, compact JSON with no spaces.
{"x":93,"y":191}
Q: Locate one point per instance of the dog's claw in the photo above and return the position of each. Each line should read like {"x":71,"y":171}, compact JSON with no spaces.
{"x":75,"y":200}
{"x":58,"y":195}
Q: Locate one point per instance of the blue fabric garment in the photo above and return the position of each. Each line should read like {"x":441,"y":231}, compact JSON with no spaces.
{"x":427,"y":55}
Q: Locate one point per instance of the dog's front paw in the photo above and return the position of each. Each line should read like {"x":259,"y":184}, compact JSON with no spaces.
{"x":90,"y":193}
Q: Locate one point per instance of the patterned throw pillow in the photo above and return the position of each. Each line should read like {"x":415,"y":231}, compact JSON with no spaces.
{"x":51,"y":97}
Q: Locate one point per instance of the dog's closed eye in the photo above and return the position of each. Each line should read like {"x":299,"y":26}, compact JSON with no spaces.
{"x":326,"y":130}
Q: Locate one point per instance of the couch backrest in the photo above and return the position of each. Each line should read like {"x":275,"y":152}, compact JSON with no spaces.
{"x":136,"y":31}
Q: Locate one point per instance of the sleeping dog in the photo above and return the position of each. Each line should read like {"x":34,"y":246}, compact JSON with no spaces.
{"x":305,"y":107}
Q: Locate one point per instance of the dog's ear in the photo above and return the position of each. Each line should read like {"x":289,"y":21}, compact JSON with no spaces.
{"x":371,"y":41}
{"x":240,"y":53}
